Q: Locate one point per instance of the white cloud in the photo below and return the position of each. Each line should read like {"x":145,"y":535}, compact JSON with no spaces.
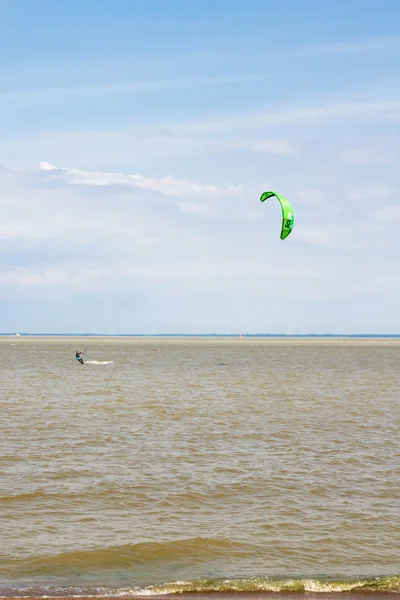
{"x":367,"y":157}
{"x":149,"y":240}
{"x":371,"y":193}
{"x":312,"y":198}
{"x":30,"y":278}
{"x":205,"y":141}
{"x":194,"y":207}
{"x":47,"y":277}
{"x":389,"y":213}
{"x":317,"y":235}
{"x":271,"y":147}
{"x":386,"y":282}
{"x":216,"y":270}
{"x":387,"y":43}
{"x":168,"y":185}
{"x":289,"y":113}
{"x":81,"y":231}
{"x":218,"y":127}
{"x":120,"y":87}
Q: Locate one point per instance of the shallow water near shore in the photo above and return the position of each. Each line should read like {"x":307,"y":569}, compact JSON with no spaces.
{"x":199,"y":464}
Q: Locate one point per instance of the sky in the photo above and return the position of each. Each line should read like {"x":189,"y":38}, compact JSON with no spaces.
{"x":137,"y":137}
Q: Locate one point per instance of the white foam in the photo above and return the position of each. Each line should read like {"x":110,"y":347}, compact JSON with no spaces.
{"x":98,"y":362}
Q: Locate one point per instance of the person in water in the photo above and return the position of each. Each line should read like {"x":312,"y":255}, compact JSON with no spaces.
{"x":79,"y":356}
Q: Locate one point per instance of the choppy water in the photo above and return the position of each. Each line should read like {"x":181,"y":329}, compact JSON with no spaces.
{"x":196,"y":464}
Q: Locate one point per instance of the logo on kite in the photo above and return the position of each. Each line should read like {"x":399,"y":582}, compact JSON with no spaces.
{"x":287,"y":212}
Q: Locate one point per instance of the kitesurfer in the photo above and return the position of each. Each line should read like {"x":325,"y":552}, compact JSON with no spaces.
{"x":79,"y":356}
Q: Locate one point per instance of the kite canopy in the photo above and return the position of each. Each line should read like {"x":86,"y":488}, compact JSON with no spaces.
{"x":287,"y":212}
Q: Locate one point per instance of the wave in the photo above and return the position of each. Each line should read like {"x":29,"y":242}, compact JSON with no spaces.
{"x":29,"y":577}
{"x":377,"y":585}
{"x":261,"y":584}
{"x":120,"y":557}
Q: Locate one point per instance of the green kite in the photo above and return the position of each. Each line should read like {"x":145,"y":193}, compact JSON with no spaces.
{"x":287,"y":213}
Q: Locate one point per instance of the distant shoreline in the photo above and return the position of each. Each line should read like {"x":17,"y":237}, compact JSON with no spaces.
{"x":212,"y":335}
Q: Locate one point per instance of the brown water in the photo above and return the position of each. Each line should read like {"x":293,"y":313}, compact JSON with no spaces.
{"x":199,"y":464}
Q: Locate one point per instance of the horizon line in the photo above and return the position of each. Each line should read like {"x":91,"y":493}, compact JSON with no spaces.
{"x":87,"y":334}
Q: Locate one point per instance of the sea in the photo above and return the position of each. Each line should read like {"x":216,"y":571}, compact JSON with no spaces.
{"x":215,"y":466}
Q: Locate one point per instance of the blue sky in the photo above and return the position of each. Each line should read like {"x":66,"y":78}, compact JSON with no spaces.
{"x":137,"y":137}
